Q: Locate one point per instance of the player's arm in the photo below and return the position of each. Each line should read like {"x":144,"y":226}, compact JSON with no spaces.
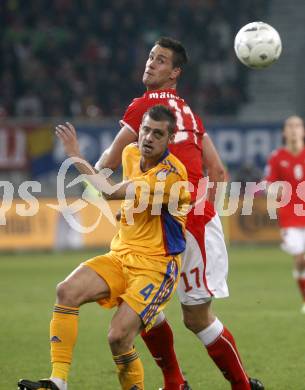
{"x":112,"y":156}
{"x":100,"y":180}
{"x":213,"y":164}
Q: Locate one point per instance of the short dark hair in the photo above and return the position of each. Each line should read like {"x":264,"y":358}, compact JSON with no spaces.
{"x":284,"y":141}
{"x":162,"y":113}
{"x":180,"y":57}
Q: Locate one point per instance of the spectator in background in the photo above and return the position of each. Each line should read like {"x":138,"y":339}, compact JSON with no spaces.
{"x":29,"y":105}
{"x":71,"y":46}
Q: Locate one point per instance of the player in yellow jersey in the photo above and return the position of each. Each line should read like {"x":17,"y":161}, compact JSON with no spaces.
{"x":140,"y":273}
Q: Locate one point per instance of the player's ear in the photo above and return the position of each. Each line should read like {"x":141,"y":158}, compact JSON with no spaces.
{"x":175,"y":73}
{"x":171,"y":138}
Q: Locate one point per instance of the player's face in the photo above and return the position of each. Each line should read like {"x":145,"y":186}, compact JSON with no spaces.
{"x":294,"y":129}
{"x":153,"y":138}
{"x":159,"y":70}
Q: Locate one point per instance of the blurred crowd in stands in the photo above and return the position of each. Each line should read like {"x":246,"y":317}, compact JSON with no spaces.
{"x":85,"y":58}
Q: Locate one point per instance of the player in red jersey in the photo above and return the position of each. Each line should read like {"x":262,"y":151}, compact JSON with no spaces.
{"x":288,"y":164}
{"x":205,"y":262}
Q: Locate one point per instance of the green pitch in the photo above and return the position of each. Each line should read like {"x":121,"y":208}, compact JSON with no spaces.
{"x":262,"y":313}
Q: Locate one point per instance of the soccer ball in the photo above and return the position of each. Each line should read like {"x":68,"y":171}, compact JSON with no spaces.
{"x":257,"y":45}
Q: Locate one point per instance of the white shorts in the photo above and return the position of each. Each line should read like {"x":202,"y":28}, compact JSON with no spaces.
{"x":293,"y":240}
{"x":204,"y":262}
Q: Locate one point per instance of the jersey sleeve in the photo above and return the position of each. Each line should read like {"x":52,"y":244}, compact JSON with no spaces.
{"x":134,"y":114}
{"x":124,"y":162}
{"x":200,"y":126}
{"x":201,"y":131}
{"x":128,"y":156}
{"x":271,"y":173}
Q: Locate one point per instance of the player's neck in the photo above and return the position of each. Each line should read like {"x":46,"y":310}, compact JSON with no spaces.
{"x":160,"y":87}
{"x":295,"y":147}
{"x":147,"y":164}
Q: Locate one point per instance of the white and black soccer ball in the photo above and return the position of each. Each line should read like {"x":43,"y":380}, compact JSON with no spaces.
{"x":258,"y":45}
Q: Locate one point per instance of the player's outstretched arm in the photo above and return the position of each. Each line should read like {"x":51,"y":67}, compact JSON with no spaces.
{"x":213,"y":164}
{"x":68,"y":137}
{"x":100,"y":180}
{"x":112,"y":156}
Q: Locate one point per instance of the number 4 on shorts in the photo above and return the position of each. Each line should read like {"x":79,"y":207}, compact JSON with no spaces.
{"x":146,"y":291}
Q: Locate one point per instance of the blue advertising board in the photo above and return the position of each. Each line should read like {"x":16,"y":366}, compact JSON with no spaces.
{"x":237,"y":144}
{"x":246,"y":144}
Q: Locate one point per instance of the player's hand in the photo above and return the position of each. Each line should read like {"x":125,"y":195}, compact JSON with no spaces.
{"x":67,"y":134}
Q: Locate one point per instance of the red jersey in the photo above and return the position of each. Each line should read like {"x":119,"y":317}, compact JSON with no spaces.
{"x":284,"y":166}
{"x":187,"y":145}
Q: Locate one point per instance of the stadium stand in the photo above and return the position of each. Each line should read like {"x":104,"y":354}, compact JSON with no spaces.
{"x":278,"y":92}
{"x":89,"y":55}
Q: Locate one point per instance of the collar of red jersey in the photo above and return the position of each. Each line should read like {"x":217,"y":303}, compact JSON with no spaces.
{"x":168,"y":90}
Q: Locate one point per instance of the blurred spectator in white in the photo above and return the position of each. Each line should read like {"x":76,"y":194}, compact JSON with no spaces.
{"x":29,"y":105}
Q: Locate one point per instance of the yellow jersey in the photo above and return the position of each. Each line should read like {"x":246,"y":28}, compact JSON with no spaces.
{"x":154,"y":230}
